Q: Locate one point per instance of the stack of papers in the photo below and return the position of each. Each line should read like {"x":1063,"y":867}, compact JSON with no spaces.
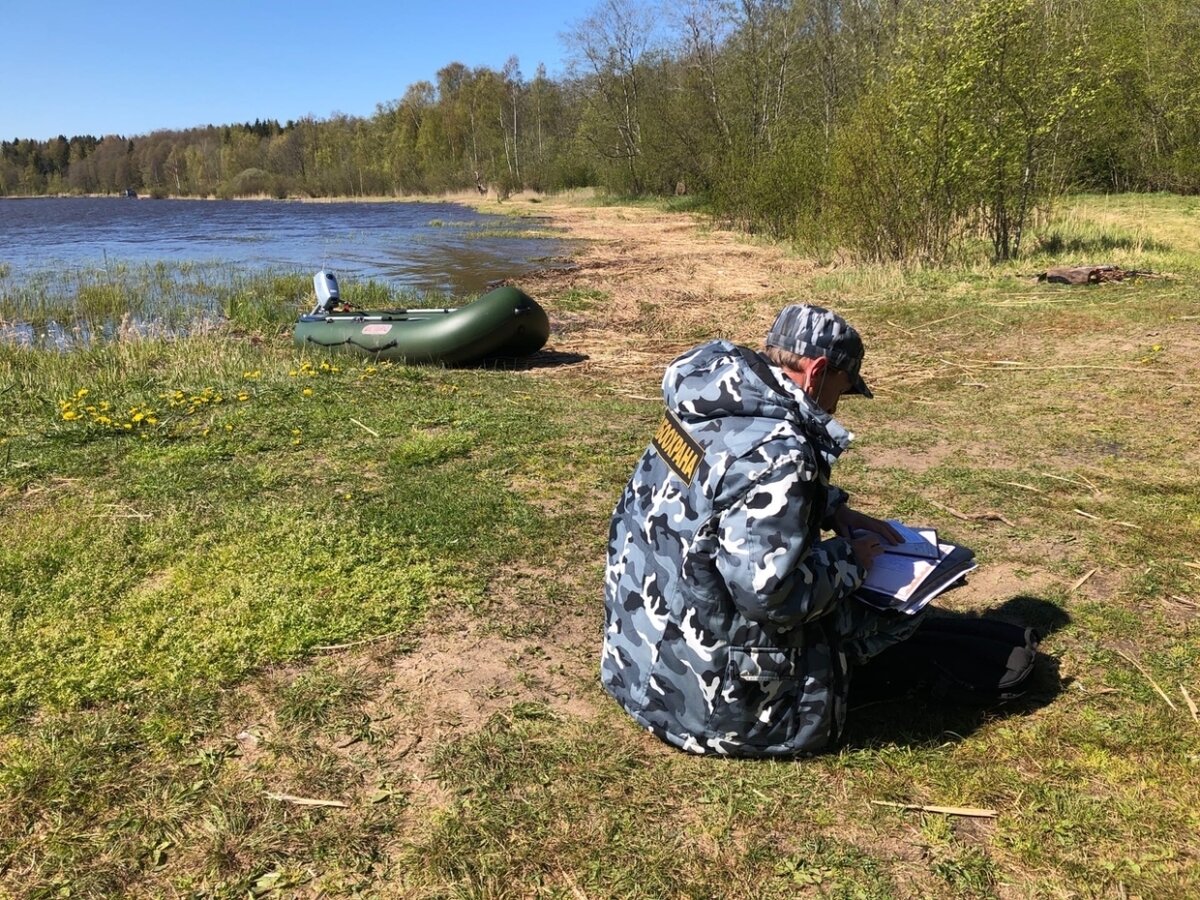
{"x":905,"y":577}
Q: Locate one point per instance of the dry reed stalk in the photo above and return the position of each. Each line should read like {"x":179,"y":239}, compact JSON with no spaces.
{"x":1079,"y":583}
{"x":990,"y":515}
{"x":1191,"y":703}
{"x":944,"y":810}
{"x":1025,"y":487}
{"x":1154,"y":684}
{"x":307,"y":801}
{"x":370,"y":640}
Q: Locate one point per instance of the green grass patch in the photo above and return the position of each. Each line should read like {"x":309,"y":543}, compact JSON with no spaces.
{"x":581,"y":299}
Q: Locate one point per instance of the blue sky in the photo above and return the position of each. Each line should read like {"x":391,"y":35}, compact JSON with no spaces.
{"x":91,"y":67}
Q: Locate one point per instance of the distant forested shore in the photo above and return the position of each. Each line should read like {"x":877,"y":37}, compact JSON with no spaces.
{"x":896,"y":128}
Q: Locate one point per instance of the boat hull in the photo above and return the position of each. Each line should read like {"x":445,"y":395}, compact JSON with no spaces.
{"x":505,"y":322}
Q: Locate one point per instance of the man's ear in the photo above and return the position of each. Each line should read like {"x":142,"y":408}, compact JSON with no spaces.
{"x":818,"y":367}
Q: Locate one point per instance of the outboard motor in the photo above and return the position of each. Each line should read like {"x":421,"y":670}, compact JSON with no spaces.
{"x":326,"y":287}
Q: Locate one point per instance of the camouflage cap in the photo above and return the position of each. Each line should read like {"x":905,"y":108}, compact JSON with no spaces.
{"x":814,"y":331}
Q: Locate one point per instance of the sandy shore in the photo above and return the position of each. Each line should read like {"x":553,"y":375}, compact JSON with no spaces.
{"x":658,"y":283}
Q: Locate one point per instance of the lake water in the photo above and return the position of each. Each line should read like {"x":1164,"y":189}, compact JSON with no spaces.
{"x":440,"y":247}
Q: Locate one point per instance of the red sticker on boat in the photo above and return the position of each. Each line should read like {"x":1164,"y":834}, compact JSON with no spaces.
{"x":382,"y":328}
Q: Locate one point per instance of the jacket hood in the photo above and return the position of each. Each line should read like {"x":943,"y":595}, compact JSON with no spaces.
{"x":721,"y":379}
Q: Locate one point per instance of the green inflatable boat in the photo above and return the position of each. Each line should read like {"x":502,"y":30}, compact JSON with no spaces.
{"x":505,"y":322}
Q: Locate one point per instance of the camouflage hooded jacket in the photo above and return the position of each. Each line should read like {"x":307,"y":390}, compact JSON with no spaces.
{"x":721,"y":600}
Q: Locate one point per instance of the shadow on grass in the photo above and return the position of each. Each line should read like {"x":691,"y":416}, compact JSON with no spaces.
{"x":893,"y":704}
{"x":1056,"y":243}
{"x":543,"y":359}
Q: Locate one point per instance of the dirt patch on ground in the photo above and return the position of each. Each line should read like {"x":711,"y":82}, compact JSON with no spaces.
{"x":913,"y":460}
{"x":990,"y":586}
{"x":668,"y":282}
{"x":371,"y":715}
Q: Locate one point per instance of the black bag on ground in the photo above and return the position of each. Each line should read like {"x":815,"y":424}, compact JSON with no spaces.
{"x":971,"y":660}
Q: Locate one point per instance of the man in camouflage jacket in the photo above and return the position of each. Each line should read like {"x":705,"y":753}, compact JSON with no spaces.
{"x":730,"y":627}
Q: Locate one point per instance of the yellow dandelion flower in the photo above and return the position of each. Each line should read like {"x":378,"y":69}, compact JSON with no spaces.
{"x":243,"y":396}
{"x":295,"y":432}
{"x":127,"y":426}
{"x":70,"y":414}
{"x":292,"y":373}
{"x":307,"y":392}
{"x":151,"y":420}
{"x":229,"y":428}
{"x":104,"y":407}
{"x":103,"y":420}
{"x":137,"y":417}
{"x":295,"y":441}
{"x":81,"y":393}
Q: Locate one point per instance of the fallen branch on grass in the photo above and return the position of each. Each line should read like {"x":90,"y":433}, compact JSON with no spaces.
{"x":990,"y":515}
{"x":370,"y":640}
{"x":1024,"y":487}
{"x":974,"y":365}
{"x":1100,"y":274}
{"x":1154,"y":684}
{"x":1078,"y":584}
{"x":1078,"y":479}
{"x":944,"y":810}
{"x":1088,"y":515}
{"x":1015,"y":364}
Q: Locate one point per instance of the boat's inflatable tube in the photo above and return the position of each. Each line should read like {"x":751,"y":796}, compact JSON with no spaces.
{"x":503,"y":322}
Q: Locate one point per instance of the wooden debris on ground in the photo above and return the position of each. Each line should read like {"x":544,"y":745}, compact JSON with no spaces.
{"x":944,"y":810}
{"x":990,"y":515}
{"x":1090,"y":274}
{"x":1076,"y":585}
{"x":307,"y":801}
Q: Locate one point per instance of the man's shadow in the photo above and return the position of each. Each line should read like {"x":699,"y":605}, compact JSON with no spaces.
{"x":887,"y":707}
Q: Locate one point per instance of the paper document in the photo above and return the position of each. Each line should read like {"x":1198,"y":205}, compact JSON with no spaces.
{"x":898,"y":575}
{"x":922,"y":542}
{"x":907,"y":584}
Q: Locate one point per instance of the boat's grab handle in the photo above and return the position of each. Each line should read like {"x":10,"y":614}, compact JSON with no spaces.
{"x":388,"y":346}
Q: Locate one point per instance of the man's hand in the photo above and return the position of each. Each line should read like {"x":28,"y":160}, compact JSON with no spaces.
{"x":866,"y":550}
{"x":850,"y":520}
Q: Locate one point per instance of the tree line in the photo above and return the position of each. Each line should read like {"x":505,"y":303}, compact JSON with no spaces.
{"x":896,"y":127}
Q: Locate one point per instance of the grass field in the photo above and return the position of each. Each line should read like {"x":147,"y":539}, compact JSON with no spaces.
{"x":275,"y":624}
